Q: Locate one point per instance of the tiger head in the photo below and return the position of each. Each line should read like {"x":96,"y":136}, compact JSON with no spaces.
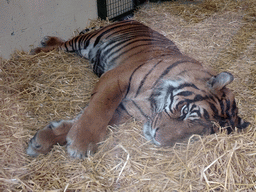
{"x":183,"y":108}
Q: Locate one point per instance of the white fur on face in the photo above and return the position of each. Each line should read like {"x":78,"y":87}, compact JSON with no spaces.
{"x":150,"y":133}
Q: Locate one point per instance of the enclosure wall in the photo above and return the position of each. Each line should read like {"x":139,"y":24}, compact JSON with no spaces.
{"x":23,"y":23}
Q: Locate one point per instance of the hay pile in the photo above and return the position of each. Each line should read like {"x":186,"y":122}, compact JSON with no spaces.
{"x":53,"y":86}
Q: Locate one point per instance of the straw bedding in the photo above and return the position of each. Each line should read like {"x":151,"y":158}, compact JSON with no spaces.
{"x":56,"y":85}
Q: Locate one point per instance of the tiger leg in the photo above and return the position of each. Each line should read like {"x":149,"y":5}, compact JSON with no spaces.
{"x":52,"y":134}
{"x":120,"y":116}
{"x":90,"y":128}
{"x":48,"y":44}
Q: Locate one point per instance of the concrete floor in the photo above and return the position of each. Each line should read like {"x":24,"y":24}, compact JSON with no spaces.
{"x":23,"y":23}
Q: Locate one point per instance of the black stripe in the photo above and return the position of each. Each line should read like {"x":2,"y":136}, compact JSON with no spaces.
{"x":121,"y":54}
{"x":196,"y":99}
{"x":185,"y":93}
{"x":87,"y":43}
{"x":222,"y":107}
{"x":126,"y":37}
{"x":87,"y":38}
{"x":130,"y":79}
{"x":232,"y":123}
{"x":227,"y":110}
{"x":105,"y":32}
{"x":200,"y":98}
{"x":234,"y":109}
{"x":108,"y":48}
{"x":65,"y":44}
{"x":167,"y":114}
{"x":212,"y":98}
{"x":214,"y":109}
{"x":193,"y":106}
{"x":122,"y":107}
{"x":82,"y":39}
{"x":131,"y":33}
{"x":141,"y":111}
{"x":79,"y":44}
{"x":150,"y":42}
{"x":227,"y":105}
{"x":72,"y":45}
{"x":168,"y":69}
{"x":135,"y":28}
{"x":198,"y":113}
{"x":74,"y":40}
{"x":145,"y":78}
{"x":171,"y":97}
{"x":152,"y":102}
{"x":131,"y":30}
{"x":98,"y":65}
{"x":222,"y":123}
{"x":148,"y":51}
{"x":183,"y":85}
{"x":180,"y":103}
{"x":206,"y":115}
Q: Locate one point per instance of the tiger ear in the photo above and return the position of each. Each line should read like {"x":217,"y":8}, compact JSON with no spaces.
{"x":219,"y":81}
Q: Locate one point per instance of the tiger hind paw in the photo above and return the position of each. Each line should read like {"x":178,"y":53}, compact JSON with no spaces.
{"x":51,"y":41}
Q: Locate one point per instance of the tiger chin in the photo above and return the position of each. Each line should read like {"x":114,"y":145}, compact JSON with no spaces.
{"x":142,"y":75}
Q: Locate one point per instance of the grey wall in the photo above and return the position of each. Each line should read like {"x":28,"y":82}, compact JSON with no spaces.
{"x":23,"y":23}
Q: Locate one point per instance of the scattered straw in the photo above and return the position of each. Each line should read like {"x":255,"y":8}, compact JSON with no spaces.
{"x":56,"y":85}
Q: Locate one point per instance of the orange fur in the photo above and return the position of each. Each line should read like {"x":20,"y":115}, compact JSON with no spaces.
{"x":145,"y":76}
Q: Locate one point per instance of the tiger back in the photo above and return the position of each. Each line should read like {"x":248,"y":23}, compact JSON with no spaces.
{"x":145,"y":76}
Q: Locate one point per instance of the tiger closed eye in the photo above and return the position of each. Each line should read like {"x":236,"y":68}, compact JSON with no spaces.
{"x":184,"y":109}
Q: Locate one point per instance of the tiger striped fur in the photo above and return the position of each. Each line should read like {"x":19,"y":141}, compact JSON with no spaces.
{"x":145,"y":76}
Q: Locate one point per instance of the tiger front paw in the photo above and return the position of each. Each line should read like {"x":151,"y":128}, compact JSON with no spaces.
{"x":41,"y":143}
{"x":83,"y":142}
{"x":44,"y":139}
{"x":81,"y":149}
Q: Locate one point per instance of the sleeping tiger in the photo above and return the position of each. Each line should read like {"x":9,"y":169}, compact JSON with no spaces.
{"x":145,"y":76}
